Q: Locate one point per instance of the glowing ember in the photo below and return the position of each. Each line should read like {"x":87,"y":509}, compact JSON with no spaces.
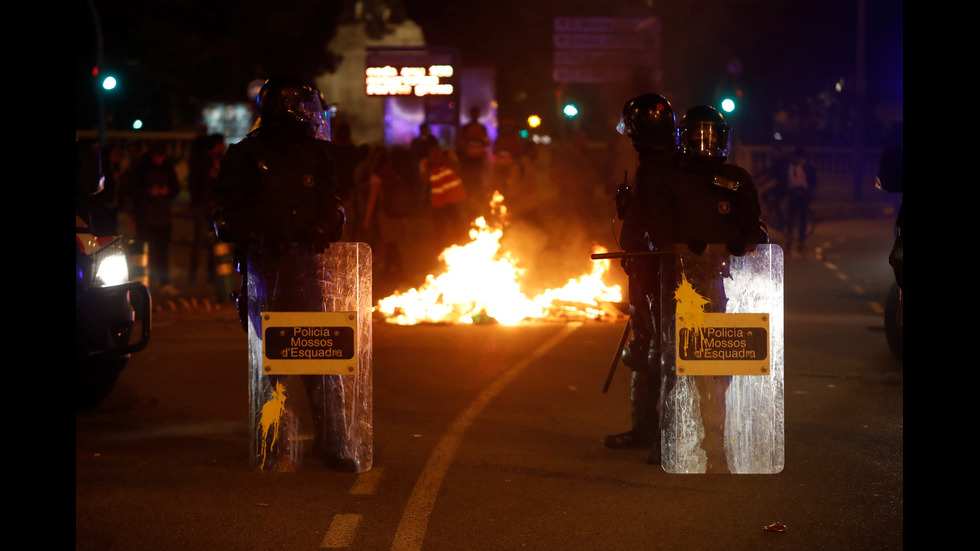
{"x":481,"y":281}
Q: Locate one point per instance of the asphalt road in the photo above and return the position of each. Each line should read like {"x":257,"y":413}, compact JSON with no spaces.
{"x":490,"y":437}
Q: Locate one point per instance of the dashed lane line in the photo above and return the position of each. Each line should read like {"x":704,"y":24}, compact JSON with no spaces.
{"x":415,"y":519}
{"x":343,"y":526}
{"x":875,"y":306}
{"x":341,"y":533}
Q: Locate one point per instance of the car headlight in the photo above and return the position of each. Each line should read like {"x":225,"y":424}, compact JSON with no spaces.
{"x":110,"y":266}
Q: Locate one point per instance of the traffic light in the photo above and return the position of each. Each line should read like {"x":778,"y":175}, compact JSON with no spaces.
{"x":106,"y":82}
{"x":731,"y":101}
{"x":570,"y":110}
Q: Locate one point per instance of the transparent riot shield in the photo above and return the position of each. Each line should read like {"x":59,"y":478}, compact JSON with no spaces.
{"x":309,"y":335}
{"x":722,"y":362}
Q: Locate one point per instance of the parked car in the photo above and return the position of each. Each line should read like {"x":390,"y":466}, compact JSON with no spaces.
{"x":112,"y":313}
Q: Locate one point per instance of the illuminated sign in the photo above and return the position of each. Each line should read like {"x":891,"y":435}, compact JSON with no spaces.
{"x":408,"y":81}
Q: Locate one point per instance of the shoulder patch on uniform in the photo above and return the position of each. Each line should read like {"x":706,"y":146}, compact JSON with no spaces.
{"x":726,"y":183}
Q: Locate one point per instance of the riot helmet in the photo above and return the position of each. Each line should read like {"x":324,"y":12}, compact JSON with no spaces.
{"x":703,"y":132}
{"x":649,"y":121}
{"x":319,"y":114}
{"x":289,"y":103}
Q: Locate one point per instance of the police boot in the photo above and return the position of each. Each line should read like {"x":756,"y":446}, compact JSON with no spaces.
{"x":635,"y":357}
{"x":326,"y":395}
{"x":643,"y":410}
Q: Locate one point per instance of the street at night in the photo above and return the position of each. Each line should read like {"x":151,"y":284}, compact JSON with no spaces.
{"x":490,"y":437}
{"x":427,"y":275}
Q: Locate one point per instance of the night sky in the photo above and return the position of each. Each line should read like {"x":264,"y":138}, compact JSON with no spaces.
{"x":789,"y":50}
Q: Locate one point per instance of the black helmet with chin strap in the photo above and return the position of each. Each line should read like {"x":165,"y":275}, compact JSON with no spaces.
{"x":703,"y":132}
{"x":649,"y":121}
{"x":290,"y":104}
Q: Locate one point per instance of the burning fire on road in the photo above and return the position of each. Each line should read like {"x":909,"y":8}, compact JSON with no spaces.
{"x":480,"y":283}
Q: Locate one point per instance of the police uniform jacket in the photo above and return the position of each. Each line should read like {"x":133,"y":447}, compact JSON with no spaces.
{"x":276,"y":191}
{"x":655,"y":168}
{"x":706,"y":202}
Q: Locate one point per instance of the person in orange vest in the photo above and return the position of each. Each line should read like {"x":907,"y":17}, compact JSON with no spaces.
{"x":447,"y":193}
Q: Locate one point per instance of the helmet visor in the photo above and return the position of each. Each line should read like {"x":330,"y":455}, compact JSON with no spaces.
{"x":705,"y":140}
{"x":312,"y":109}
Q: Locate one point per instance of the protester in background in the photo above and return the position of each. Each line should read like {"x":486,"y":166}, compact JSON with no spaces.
{"x":368,"y":179}
{"x":447,"y":194}
{"x":419,"y":150}
{"x":771,"y":184}
{"x":156,"y":187}
{"x":472,"y":148}
{"x":388,"y":176}
{"x":507,"y":170}
{"x":204,"y":167}
{"x":801,"y":179}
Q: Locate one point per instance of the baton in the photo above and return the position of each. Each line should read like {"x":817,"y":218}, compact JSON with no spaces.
{"x":619,"y":352}
{"x":627,"y":254}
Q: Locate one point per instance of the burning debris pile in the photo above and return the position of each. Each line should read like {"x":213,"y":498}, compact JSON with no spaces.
{"x":480,"y":283}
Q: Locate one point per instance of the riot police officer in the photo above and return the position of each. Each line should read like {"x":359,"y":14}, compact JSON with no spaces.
{"x":277,"y":186}
{"x":707,"y":202}
{"x":649,"y":122}
{"x":277,"y":202}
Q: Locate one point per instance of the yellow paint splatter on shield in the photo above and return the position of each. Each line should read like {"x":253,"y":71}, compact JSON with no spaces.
{"x":690,"y":311}
{"x":271,"y":416}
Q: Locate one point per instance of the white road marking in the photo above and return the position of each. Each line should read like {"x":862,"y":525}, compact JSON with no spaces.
{"x":341,"y":533}
{"x":415,"y":519}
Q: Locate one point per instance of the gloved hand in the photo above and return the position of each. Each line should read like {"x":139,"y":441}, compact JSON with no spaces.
{"x":736,"y":247}
{"x":318,"y":239}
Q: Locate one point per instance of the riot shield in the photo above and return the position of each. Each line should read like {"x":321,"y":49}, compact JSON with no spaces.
{"x":722,"y":361}
{"x":310,"y":365}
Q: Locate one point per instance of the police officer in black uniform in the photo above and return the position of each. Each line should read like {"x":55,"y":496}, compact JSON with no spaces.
{"x":277,"y":202}
{"x":649,"y":122}
{"x":277,"y":187}
{"x":708,"y":202}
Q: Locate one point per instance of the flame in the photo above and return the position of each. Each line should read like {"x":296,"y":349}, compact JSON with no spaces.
{"x":480,"y":281}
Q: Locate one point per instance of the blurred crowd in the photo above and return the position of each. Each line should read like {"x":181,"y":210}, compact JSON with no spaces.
{"x":415,"y":199}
